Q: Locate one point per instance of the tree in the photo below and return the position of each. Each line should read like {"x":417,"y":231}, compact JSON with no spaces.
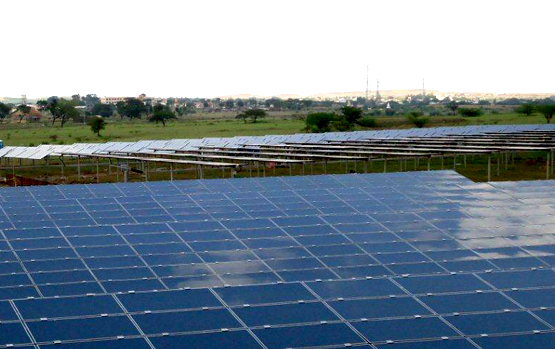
{"x":470,"y":112}
{"x":525,"y":109}
{"x":4,"y":111}
{"x":64,"y":111}
{"x":351,"y":114}
{"x":97,"y":124}
{"x":162,"y":114}
{"x":60,"y":109}
{"x":104,"y":110}
{"x":90,"y":101}
{"x":453,"y":106}
{"x":252,"y":114}
{"x":229,"y":104}
{"x":23,"y":110}
{"x":242,"y":116}
{"x":548,"y":110}
{"x":417,"y":119}
{"x":132,"y":108}
{"x":319,"y":122}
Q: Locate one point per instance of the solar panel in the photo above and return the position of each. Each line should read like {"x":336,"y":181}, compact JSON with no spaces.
{"x":404,"y":260}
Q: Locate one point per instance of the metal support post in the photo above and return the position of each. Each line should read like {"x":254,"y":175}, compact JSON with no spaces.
{"x":489,"y":168}
{"x":171,"y":172}
{"x":78,"y":167}
{"x":97,"y":171}
{"x":547,"y":170}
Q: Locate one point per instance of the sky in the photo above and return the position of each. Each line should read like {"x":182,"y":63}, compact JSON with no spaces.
{"x":213,"y":48}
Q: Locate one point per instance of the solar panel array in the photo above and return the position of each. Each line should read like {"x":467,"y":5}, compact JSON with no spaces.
{"x":401,"y":260}
{"x":44,"y":150}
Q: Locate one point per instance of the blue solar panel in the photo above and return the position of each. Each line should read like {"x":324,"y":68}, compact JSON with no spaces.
{"x":405,"y":260}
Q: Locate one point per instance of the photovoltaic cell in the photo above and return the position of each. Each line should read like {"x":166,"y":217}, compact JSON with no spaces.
{"x":404,"y":260}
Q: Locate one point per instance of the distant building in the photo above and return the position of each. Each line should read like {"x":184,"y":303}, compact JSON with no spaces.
{"x":115,"y":100}
{"x":33,"y":116}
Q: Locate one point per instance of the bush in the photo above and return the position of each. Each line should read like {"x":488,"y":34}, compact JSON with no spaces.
{"x":319,"y":122}
{"x":470,"y":112}
{"x":367,"y":122}
{"x":341,"y":124}
{"x":417,"y":119}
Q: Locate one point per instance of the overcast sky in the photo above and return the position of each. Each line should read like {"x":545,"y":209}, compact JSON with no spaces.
{"x":210,"y":48}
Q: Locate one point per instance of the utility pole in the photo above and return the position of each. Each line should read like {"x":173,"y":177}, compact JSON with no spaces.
{"x":423,"y":88}
{"x":378,"y":97}
{"x":366,"y":82}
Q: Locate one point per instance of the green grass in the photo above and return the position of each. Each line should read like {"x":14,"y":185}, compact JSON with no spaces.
{"x":219,"y":126}
{"x":35,"y":134}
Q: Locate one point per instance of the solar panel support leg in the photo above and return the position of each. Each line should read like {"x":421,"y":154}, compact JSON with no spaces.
{"x":429,"y":162}
{"x":346,"y":166}
{"x":498,"y":159}
{"x":325,"y":167}
{"x":97,"y":171}
{"x":552,"y":159}
{"x":506,"y":161}
{"x":384,"y":165}
{"x":547,"y":170}
{"x":13,"y":174}
{"x":311,"y":168}
{"x":250,"y":168}
{"x":78,"y":168}
{"x":454,"y":162}
{"x":442,"y":162}
{"x":415,"y":163}
{"x":171,"y":172}
{"x":290,"y":170}
{"x":366,"y":166}
{"x":257,"y":169}
{"x":109,"y":166}
{"x":489,"y":168}
{"x":464,"y":160}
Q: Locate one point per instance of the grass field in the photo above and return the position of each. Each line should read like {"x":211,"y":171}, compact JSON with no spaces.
{"x":221,"y":125}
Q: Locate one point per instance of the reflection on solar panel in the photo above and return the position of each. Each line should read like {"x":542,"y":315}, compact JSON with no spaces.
{"x":402,"y":260}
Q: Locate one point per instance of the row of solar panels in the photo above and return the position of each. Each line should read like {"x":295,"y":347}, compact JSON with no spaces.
{"x":475,"y":270}
{"x":42,"y":151}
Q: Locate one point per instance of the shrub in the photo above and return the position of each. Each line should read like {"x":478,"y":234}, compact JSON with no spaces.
{"x":470,"y":112}
{"x":367,"y":122}
{"x":341,"y":124}
{"x":319,"y":122}
{"x":417,"y":119}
